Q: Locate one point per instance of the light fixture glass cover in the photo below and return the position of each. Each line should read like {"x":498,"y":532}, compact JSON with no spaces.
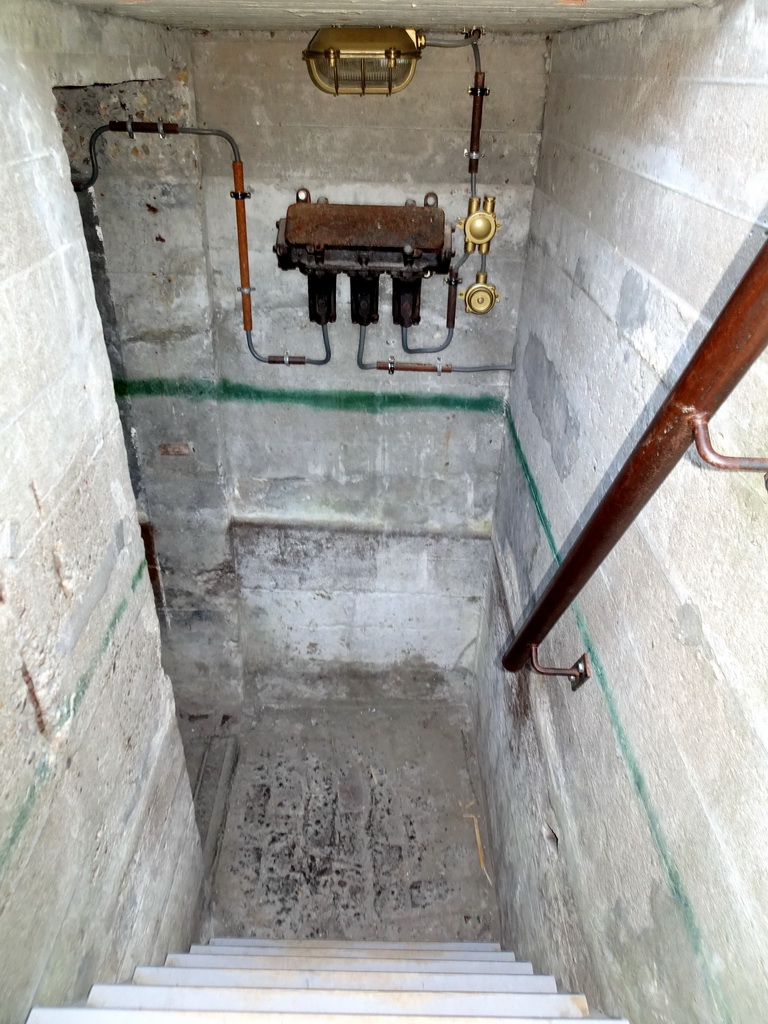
{"x":357,"y":61}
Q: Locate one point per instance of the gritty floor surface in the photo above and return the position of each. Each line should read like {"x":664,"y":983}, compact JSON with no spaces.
{"x":353,"y":821}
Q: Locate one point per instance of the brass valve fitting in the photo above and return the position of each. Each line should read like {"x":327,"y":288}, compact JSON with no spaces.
{"x":480,"y":297}
{"x":480,"y":225}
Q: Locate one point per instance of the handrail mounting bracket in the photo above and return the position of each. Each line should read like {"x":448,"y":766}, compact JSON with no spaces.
{"x":578,"y":673}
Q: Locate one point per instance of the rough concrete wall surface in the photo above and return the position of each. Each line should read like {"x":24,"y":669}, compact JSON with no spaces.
{"x":224,"y":445}
{"x":99,"y":855}
{"x":628,"y":819}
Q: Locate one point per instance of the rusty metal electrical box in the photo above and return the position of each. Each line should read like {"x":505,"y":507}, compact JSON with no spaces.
{"x":324,"y":239}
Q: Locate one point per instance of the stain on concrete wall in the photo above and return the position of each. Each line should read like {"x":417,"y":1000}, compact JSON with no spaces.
{"x":99,"y":856}
{"x":549,"y":402}
{"x":631,"y":313}
{"x":650,"y":203}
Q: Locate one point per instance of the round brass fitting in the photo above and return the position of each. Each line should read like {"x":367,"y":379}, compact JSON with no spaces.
{"x":480,"y":225}
{"x":480,"y":297}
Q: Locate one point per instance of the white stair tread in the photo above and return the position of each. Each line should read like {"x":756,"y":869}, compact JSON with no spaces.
{"x":328,"y":963}
{"x":544,"y":1001}
{"x":359,"y":952}
{"x":89,"y":1015}
{"x":353,"y":944}
{"x":350,"y":980}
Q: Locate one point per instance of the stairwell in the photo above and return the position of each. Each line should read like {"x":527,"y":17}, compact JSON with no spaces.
{"x":344,"y":843}
{"x":234,"y":981}
{"x":366,"y":527}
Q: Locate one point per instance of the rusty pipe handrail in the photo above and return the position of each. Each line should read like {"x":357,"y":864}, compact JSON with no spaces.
{"x":736,"y":339}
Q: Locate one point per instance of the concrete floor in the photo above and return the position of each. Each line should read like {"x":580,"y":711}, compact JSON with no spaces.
{"x":350,"y":820}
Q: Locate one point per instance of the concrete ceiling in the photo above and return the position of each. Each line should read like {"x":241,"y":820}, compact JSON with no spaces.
{"x":495,"y":15}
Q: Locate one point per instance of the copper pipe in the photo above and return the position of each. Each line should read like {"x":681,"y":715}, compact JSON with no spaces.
{"x":414,"y":367}
{"x":288,"y":360}
{"x":478,"y":93}
{"x":242,"y":245}
{"x":737,"y":338}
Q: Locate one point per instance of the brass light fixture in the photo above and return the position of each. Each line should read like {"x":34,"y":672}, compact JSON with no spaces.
{"x":352,"y":61}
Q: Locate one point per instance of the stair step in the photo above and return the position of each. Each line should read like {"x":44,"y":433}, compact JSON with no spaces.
{"x":544,"y":1001}
{"x":353,"y":944}
{"x":357,"y":952}
{"x":89,"y":1015}
{"x":349,"y":980}
{"x":329,"y":963}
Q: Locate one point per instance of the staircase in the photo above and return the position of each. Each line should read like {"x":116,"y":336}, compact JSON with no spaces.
{"x":265,"y":981}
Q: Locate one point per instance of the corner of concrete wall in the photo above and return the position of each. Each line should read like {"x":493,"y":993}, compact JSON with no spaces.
{"x":628,"y":834}
{"x":100,"y":864}
{"x":285,"y":501}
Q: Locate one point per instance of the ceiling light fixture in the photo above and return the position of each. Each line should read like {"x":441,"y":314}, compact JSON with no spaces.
{"x":353,"y":61}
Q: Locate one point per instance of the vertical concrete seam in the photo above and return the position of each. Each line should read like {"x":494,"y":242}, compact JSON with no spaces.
{"x":672,"y":873}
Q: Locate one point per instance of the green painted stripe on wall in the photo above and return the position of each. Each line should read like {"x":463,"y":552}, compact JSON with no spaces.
{"x":43,"y":769}
{"x":72,"y":706}
{"x":137,"y":576}
{"x":371,"y":402}
{"x":672,"y":873}
{"x":24,"y":813}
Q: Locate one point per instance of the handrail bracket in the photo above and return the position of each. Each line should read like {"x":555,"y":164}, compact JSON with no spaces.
{"x":700,"y":426}
{"x":578,"y":673}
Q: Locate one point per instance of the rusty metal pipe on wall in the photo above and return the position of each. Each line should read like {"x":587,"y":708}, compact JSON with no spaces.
{"x":478,"y":92}
{"x":393,"y":365}
{"x":737,"y":338}
{"x":163,"y":128}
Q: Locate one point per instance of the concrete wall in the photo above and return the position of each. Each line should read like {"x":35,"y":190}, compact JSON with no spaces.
{"x":243,"y":468}
{"x":99,"y":855}
{"x":628,"y":819}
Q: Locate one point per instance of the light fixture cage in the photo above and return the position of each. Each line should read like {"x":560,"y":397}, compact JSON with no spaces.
{"x":357,"y":61}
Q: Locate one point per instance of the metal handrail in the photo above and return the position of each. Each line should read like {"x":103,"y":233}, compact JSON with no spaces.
{"x":736,"y":339}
